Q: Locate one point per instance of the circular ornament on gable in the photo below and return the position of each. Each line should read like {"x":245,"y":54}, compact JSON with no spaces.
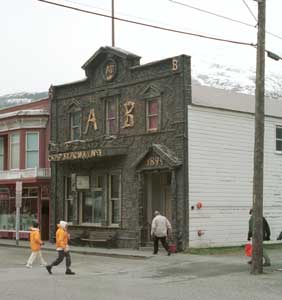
{"x":109,"y":70}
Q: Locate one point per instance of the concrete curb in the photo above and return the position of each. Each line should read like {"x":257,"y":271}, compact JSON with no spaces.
{"x":86,"y":252}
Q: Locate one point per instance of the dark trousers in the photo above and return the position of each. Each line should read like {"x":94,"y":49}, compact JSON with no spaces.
{"x":163,"y":241}
{"x":61,"y":255}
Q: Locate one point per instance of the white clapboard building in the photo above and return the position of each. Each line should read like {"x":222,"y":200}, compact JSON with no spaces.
{"x":220,"y":164}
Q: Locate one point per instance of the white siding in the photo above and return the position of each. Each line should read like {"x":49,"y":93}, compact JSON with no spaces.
{"x":220,"y":147}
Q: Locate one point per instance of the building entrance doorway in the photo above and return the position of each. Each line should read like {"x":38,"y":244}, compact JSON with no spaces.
{"x":45,"y":220}
{"x":157,"y":196}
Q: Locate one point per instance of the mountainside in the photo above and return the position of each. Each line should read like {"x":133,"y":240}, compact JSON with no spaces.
{"x":235,"y":79}
{"x":20,"y":98}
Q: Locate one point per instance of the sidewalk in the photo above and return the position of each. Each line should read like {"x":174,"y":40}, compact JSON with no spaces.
{"x":113,"y":252}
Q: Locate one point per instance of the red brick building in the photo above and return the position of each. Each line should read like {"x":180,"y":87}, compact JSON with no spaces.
{"x":24,"y":137}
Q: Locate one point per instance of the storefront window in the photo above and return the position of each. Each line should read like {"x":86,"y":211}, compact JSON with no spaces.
{"x":93,"y":203}
{"x":4,"y":208}
{"x":68,"y":200}
{"x":29,"y":207}
{"x":32,"y":149}
{"x":100,"y":205}
{"x":114,"y":188}
{"x":28,"y":211}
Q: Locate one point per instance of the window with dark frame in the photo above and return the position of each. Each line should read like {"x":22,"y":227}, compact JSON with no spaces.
{"x":2,"y":153}
{"x":152,"y":114}
{"x":278,"y":138}
{"x":75,"y":125}
{"x":93,"y":206}
{"x":32,"y":149}
{"x":115,"y":198}
{"x":15,"y":151}
{"x":100,"y":205}
{"x":111,"y":116}
{"x":68,"y":200}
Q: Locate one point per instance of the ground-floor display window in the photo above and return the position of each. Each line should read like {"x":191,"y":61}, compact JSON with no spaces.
{"x":100,"y":204}
{"x":28,"y":211}
{"x":93,"y":204}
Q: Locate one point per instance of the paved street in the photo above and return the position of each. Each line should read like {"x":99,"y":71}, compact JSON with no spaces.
{"x":180,"y":276}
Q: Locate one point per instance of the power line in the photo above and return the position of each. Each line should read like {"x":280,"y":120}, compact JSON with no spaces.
{"x":120,"y":13}
{"x":270,"y":33}
{"x":224,"y":17}
{"x":149,"y":25}
{"x":249,"y":9}
{"x":211,"y":13}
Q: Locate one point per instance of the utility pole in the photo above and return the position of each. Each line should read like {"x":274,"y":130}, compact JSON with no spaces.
{"x":259,"y":144}
{"x":113,"y":23}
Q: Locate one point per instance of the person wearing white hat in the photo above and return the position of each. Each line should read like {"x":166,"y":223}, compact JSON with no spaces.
{"x":62,"y":247}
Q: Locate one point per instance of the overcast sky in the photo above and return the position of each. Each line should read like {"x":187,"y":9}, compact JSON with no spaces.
{"x":42,"y":44}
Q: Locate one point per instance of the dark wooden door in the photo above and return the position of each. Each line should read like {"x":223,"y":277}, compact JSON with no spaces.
{"x":45,"y":220}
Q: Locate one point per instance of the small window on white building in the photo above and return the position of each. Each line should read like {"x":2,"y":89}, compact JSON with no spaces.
{"x":279,"y":138}
{"x":32,"y":149}
{"x":1,"y":153}
{"x":15,"y":151}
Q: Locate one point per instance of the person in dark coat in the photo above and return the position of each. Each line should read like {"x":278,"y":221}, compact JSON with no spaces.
{"x":266,"y":236}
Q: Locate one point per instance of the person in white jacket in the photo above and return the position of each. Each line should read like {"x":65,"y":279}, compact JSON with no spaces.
{"x":161,"y":228}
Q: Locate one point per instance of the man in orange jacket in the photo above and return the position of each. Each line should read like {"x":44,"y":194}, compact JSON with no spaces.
{"x":35,"y":246}
{"x":62,"y":247}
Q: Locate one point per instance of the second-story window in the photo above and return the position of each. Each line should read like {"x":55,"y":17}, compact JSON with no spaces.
{"x":278,"y":138}
{"x":32,"y":150}
{"x":111,"y":117}
{"x":15,"y":151}
{"x":75,"y":125}
{"x":1,"y":153}
{"x":152,"y":114}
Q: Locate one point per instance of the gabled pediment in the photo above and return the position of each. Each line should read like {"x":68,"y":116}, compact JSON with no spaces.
{"x":158,"y":156}
{"x":151,"y":91}
{"x":74,"y":104}
{"x":107,"y":53}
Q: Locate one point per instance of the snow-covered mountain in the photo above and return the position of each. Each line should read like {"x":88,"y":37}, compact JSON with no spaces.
{"x":20,"y":98}
{"x":234,"y":78}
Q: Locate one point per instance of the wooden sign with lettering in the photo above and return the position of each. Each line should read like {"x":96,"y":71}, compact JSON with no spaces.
{"x":75,"y":155}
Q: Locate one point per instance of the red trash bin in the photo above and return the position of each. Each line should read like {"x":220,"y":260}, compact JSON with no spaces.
{"x":172,"y":248}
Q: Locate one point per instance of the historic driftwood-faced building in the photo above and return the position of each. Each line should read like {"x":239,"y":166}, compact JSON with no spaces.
{"x":118,"y":147}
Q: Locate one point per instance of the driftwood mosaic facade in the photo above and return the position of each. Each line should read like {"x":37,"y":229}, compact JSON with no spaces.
{"x":118,"y":147}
